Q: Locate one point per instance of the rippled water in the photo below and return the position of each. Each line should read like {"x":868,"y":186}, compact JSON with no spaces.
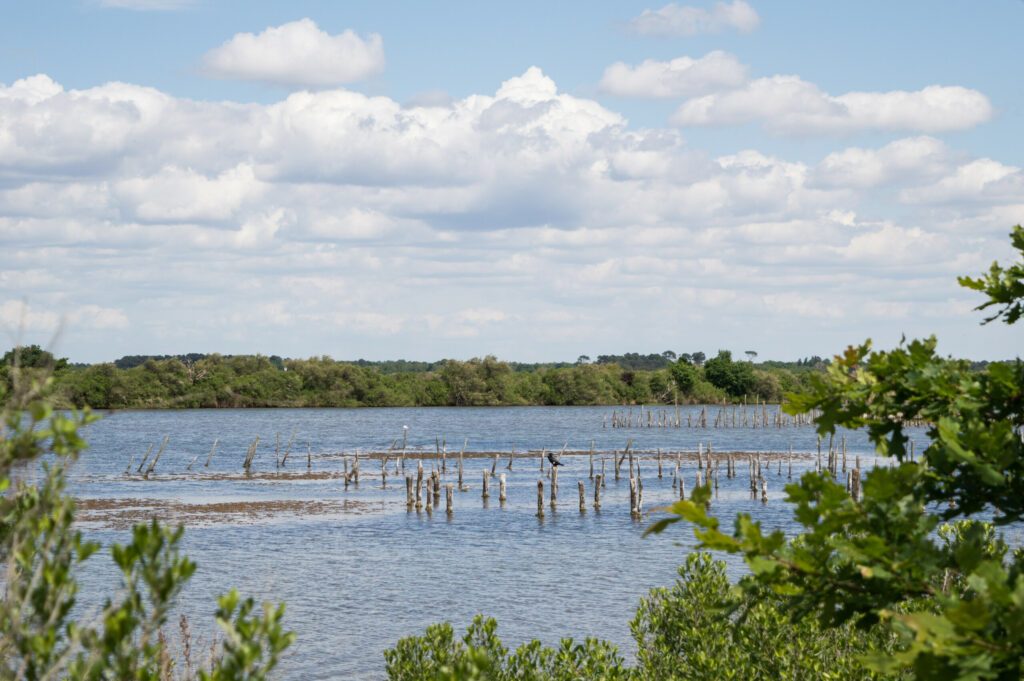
{"x":355,"y":581}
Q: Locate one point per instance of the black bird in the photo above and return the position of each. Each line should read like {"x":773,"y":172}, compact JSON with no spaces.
{"x":554,"y":460}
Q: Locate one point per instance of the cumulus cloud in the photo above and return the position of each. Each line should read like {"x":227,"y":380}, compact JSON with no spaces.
{"x":980,"y":180}
{"x":674,"y":20}
{"x":148,"y":5}
{"x":297,"y":54}
{"x":680,"y":77}
{"x":904,"y":160}
{"x":473,"y":225}
{"x":790,"y":105}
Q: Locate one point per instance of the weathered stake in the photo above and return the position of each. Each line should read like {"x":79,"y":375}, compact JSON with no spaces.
{"x":554,"y":486}
{"x":540,"y":498}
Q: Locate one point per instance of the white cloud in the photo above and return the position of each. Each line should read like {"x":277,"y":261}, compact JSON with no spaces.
{"x":148,"y":5}
{"x":17,"y":317}
{"x":474,"y":225}
{"x":790,"y":105}
{"x":680,"y":77}
{"x":979,"y":180}
{"x":177,"y":194}
{"x":674,"y":20}
{"x":900,"y":161}
{"x":297,"y":54}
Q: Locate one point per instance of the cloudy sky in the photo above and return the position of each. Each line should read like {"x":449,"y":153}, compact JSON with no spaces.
{"x":537,"y":180}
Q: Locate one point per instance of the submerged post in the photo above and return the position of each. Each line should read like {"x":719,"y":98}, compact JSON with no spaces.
{"x":540,"y":498}
{"x":486,"y":488}
{"x":448,"y":497}
{"x":419,"y":484}
{"x":633,"y":497}
{"x":583,"y":496}
{"x":408,"y":491}
{"x":597,"y":492}
{"x":554,"y":486}
{"x":501,"y":488}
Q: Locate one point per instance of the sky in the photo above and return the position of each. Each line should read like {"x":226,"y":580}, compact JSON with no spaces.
{"x":531,"y":180}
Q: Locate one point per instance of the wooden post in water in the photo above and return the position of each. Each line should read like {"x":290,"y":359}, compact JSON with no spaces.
{"x":384,"y":472}
{"x":540,"y":498}
{"x":583,"y":496}
{"x":659,"y":463}
{"x":682,"y":489}
{"x":461,"y":486}
{"x":437,"y":487}
{"x":448,"y":498}
{"x":309,"y":457}
{"x":511,"y":455}
{"x":209,"y":457}
{"x":152,"y":465}
{"x":855,"y":487}
{"x":408,"y":491}
{"x":501,"y":488}
{"x":288,"y":449}
{"x":419,"y":484}
{"x":764,"y":491}
{"x":494,"y":467}
{"x":430,"y":495}
{"x":554,"y":486}
{"x":144,"y":458}
{"x":597,"y":492}
{"x":633,"y":498}
{"x":591,"y":459}
{"x":344,"y":461}
{"x":486,"y":490}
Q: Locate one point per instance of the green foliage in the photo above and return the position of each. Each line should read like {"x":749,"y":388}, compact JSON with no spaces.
{"x":258,"y":381}
{"x":686,"y":376}
{"x":705,"y":628}
{"x":735,"y":378}
{"x":701,"y":628}
{"x":953,"y":595}
{"x":1003,"y":286}
{"x":480,"y":655}
{"x":38,"y":637}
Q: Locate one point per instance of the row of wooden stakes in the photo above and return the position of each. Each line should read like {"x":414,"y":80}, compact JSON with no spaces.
{"x":737,"y":417}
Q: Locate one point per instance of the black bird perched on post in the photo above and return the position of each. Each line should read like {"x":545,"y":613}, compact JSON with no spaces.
{"x":554,"y":460}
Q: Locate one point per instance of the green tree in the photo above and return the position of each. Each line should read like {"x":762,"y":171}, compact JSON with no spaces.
{"x":953,"y":595}
{"x":685,"y":376}
{"x":735,"y":378}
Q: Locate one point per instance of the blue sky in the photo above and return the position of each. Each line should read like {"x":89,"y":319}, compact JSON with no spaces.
{"x":803,"y":176}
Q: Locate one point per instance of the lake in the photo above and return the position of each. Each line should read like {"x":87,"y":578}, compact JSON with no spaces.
{"x":358,"y":570}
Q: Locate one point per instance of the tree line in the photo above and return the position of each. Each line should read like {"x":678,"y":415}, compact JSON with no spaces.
{"x":210,"y":381}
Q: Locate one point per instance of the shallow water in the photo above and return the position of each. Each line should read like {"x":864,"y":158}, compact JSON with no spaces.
{"x":358,"y":577}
